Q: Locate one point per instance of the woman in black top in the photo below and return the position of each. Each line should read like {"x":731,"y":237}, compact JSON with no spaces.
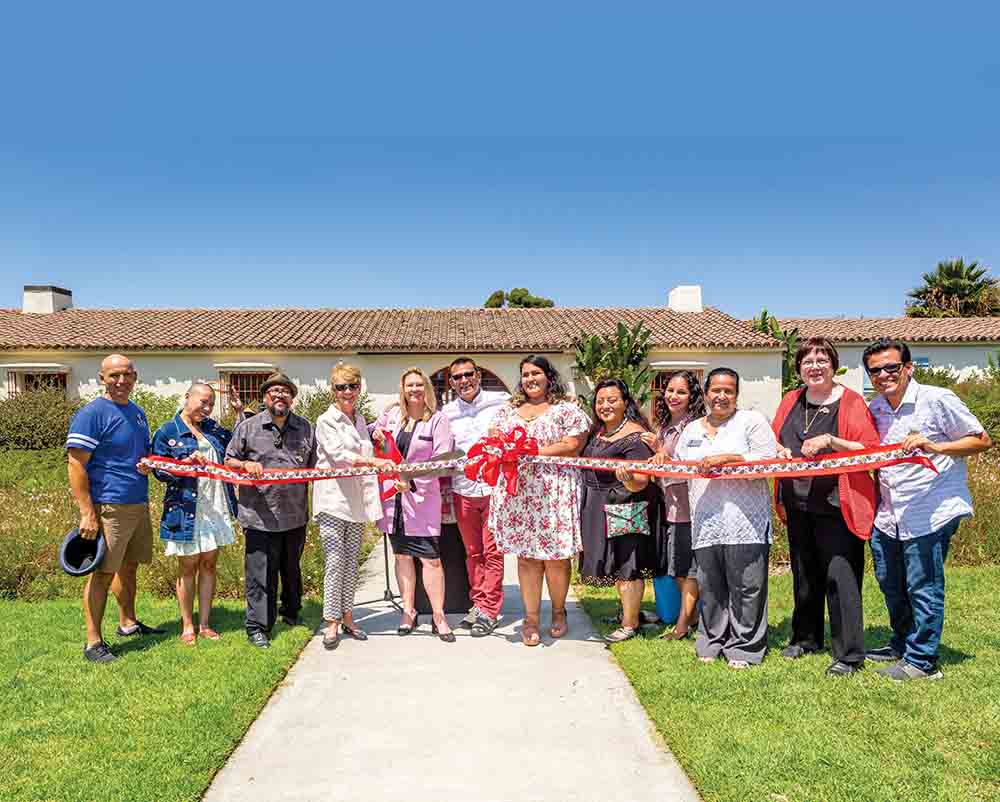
{"x":624,"y":560}
{"x":827,"y":558}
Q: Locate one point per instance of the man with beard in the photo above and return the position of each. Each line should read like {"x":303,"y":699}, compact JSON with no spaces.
{"x":273,"y":517}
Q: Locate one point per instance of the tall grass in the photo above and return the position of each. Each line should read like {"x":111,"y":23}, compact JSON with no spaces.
{"x":39,"y":511}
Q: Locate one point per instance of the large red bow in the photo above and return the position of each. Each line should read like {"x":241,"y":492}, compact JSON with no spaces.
{"x":494,"y":455}
{"x":388,"y":450}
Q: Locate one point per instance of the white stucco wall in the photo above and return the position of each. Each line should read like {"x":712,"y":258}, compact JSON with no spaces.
{"x":170,"y":373}
{"x":966,"y":360}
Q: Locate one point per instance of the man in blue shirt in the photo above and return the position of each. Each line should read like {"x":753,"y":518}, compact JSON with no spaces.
{"x":106,"y":440}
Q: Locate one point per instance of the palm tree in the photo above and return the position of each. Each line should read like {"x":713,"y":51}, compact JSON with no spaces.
{"x":956,"y":289}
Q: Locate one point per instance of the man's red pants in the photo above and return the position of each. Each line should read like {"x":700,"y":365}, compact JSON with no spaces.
{"x":483,"y":560}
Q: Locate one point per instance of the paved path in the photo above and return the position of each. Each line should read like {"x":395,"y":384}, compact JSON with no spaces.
{"x":479,"y":720}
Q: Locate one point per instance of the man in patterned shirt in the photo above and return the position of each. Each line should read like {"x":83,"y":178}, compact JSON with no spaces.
{"x":919,"y":510}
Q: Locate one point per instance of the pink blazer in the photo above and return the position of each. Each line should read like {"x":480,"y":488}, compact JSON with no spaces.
{"x":421,"y":507}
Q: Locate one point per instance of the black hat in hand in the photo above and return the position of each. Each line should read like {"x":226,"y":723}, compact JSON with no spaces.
{"x":79,"y":556}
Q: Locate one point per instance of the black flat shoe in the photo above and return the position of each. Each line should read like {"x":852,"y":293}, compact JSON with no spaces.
{"x":839,"y":668}
{"x":356,"y":632}
{"x":139,"y":629}
{"x":447,"y":637}
{"x":330,"y":643}
{"x":406,"y":629}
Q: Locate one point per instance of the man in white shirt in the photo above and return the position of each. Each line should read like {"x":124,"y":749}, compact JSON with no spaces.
{"x":470,"y":415}
{"x":919,"y":510}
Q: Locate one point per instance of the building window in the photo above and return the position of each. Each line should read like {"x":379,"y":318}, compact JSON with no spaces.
{"x":661,"y":378}
{"x":246,"y":385}
{"x":29,"y":381}
{"x":444,"y":393}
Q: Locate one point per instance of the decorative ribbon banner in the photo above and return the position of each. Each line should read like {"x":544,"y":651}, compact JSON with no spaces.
{"x":287,"y":476}
{"x":496,"y":456}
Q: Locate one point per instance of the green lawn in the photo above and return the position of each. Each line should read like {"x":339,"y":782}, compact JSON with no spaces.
{"x":155,"y":725}
{"x":785,"y":733}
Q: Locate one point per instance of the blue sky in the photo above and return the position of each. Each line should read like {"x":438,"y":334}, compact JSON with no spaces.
{"x":424,"y":155}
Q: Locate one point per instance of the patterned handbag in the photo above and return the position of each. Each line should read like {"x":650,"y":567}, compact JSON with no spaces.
{"x":627,"y":519}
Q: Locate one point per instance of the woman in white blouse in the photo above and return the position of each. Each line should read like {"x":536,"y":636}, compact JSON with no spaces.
{"x":731,"y":525}
{"x":343,"y":506}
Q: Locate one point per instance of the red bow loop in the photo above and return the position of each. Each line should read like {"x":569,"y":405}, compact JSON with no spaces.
{"x":388,"y":450}
{"x":498,"y":454}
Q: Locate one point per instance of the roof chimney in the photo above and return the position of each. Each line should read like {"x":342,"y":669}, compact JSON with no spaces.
{"x":44,"y":300}
{"x":685,"y":299}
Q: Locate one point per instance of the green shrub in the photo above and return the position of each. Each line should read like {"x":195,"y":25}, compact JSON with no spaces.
{"x":36,"y":420}
{"x":312,"y":403}
{"x":937,"y":377}
{"x":158,"y":408}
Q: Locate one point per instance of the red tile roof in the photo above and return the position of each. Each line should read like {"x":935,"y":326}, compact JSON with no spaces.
{"x":474,"y":330}
{"x":907,"y":329}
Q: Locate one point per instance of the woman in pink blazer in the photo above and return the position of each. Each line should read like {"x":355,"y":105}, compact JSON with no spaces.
{"x":412,"y":518}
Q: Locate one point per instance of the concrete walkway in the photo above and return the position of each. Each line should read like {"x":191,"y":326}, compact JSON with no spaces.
{"x":479,"y":720}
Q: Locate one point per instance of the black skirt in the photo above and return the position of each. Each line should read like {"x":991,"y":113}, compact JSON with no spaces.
{"x":427,"y":548}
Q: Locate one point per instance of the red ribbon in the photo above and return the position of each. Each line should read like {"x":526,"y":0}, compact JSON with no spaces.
{"x":495,"y":455}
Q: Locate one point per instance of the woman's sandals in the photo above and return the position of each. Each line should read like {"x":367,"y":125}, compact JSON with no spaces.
{"x":529,"y":631}
{"x":559,"y":626}
{"x":622,"y":634}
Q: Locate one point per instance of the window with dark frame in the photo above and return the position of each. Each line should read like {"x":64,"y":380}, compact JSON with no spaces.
{"x":19,"y":381}
{"x":246,"y":385}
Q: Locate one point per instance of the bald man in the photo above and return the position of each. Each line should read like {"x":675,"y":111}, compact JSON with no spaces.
{"x":106,"y":440}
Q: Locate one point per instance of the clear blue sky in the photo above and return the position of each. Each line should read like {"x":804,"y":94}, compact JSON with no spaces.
{"x":404,"y":154}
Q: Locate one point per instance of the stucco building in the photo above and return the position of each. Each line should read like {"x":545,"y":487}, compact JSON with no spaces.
{"x":48,"y":341}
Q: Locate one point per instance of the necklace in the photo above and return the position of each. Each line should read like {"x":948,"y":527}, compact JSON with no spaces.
{"x":822,"y":410}
{"x":618,"y":428}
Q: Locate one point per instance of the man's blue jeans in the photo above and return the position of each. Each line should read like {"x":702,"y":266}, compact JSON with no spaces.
{"x":911,"y":575}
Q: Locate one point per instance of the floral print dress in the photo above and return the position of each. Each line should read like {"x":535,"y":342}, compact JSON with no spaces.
{"x":542,"y":521}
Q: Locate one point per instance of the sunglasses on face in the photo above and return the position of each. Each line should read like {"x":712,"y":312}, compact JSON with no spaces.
{"x":466,"y":374}
{"x":349,"y":386}
{"x":891,"y":369}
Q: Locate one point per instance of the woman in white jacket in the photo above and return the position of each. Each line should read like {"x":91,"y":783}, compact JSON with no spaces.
{"x":341,"y":507}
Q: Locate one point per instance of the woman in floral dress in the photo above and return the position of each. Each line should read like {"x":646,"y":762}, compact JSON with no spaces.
{"x":541,"y":524}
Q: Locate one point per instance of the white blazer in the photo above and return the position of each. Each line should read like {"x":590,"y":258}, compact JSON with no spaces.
{"x":342,"y":443}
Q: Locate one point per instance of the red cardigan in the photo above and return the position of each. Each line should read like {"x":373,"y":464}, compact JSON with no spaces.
{"x":858,"y":501}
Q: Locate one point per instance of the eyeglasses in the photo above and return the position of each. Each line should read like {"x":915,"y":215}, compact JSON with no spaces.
{"x":279,"y":391}
{"x":816,"y":363}
{"x":465,"y":374}
{"x":340,"y":388}
{"x":891,"y":369}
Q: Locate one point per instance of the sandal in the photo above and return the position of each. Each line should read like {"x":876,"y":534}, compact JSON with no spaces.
{"x":621,"y":634}
{"x":189,"y":638}
{"x":557,"y":630}
{"x":208,"y":632}
{"x":529,"y":631}
{"x":355,"y":632}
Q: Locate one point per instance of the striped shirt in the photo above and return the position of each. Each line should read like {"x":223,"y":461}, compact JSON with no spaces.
{"x":116,"y":436}
{"x":915,"y":501}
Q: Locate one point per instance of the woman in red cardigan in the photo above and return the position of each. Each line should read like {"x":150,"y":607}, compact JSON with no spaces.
{"x":828,"y":517}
